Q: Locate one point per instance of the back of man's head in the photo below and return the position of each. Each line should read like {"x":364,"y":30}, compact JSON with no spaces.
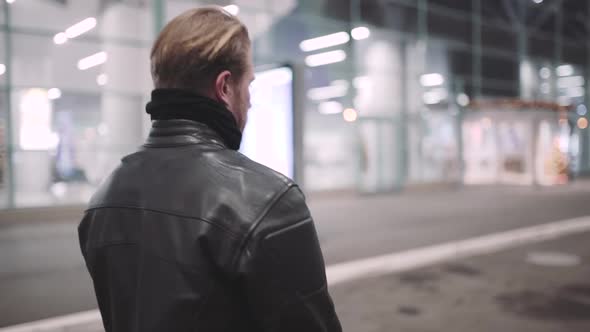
{"x":196,"y":46}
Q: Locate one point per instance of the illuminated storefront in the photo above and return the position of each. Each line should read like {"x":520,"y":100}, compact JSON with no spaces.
{"x":373,"y":97}
{"x":524,"y":146}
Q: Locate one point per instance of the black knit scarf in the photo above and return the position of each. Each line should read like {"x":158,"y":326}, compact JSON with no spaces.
{"x":168,"y":104}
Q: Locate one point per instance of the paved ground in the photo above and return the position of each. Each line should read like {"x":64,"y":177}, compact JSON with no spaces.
{"x":353,"y":227}
{"x":42,"y":274}
{"x":498,"y":292}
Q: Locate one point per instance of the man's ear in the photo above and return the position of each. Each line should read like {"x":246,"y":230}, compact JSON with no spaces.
{"x":222,"y":87}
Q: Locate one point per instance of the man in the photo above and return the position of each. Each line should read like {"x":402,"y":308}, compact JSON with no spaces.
{"x":187,"y":234}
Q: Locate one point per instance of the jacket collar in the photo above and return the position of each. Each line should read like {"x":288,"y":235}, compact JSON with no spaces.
{"x":172,"y":104}
{"x":178,"y":132}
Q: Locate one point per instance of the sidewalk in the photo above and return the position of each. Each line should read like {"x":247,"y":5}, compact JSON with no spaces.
{"x":498,"y":292}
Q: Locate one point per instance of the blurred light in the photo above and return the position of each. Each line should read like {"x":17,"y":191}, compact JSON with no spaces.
{"x":102,"y":79}
{"x":60,"y":38}
{"x":330,"y":107}
{"x":59,"y":189}
{"x":334,"y":39}
{"x":360,"y":33}
{"x":327,"y":92}
{"x":430,"y":98}
{"x":362,"y":82}
{"x":537,"y":1}
{"x":576,"y":92}
{"x":10,"y":1}
{"x":581,"y":110}
{"x":433,"y":79}
{"x":582,"y":123}
{"x":350,"y":115}
{"x":232,"y":9}
{"x":565,"y":70}
{"x":434,"y":96}
{"x":92,"y":61}
{"x":340,"y":83}
{"x":35,"y":121}
{"x":562,"y":121}
{"x":2,"y":69}
{"x":568,"y":82}
{"x":102,"y":129}
{"x":545,"y":88}
{"x":545,"y":73}
{"x":275,"y":77}
{"x":563,"y":141}
{"x":53,"y":93}
{"x":462,"y":99}
{"x":326,"y":58}
{"x":81,"y":27}
{"x":486,"y":122}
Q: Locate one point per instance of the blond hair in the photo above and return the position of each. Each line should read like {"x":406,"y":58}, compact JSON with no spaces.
{"x":196,"y":46}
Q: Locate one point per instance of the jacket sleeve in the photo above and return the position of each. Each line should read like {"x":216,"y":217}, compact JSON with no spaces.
{"x":282,"y":273}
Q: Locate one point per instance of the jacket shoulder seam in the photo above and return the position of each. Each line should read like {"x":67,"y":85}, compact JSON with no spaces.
{"x":257,"y":221}
{"x":289,"y":228}
{"x":170,"y":213}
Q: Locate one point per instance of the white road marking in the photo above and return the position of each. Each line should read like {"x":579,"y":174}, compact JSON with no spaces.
{"x":58,"y":324}
{"x":415,"y":258}
{"x":376,"y":266}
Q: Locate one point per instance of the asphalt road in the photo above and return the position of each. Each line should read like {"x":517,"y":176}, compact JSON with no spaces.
{"x":42,"y":273}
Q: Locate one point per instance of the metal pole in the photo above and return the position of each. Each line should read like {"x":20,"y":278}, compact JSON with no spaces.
{"x":459,"y":88}
{"x":522,"y":47}
{"x":298,"y":123}
{"x":557,"y":56}
{"x":8,"y":117}
{"x":476,"y":80}
{"x":558,"y":38}
{"x":159,"y":13}
{"x":423,"y":44}
{"x":355,"y":17}
{"x":585,"y":133}
{"x":423,"y":28}
{"x":402,"y":127}
{"x":585,"y":162}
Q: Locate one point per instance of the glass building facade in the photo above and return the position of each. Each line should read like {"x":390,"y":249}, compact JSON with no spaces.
{"x":387,"y":99}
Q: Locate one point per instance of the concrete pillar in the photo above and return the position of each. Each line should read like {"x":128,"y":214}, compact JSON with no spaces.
{"x":379,"y":103}
{"x":122,"y":105}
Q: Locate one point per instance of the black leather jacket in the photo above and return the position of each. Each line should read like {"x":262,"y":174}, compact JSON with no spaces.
{"x":187,"y":235}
